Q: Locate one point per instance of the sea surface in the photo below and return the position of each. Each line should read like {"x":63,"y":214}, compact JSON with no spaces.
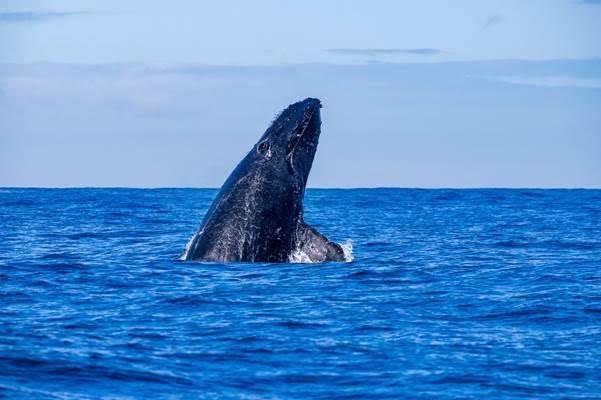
{"x":451,"y":294}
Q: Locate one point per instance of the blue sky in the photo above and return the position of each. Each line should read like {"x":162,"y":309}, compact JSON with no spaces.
{"x":419,"y":94}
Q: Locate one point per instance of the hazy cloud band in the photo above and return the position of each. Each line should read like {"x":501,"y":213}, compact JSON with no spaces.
{"x":32,"y":16}
{"x":374,"y":52}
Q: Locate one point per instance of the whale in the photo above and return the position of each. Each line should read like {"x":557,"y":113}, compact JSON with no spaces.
{"x":257,"y":215}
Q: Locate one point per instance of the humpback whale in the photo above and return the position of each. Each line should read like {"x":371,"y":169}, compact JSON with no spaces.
{"x":257,"y":215}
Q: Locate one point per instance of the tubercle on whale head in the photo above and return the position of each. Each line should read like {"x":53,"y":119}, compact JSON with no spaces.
{"x":292,"y":138}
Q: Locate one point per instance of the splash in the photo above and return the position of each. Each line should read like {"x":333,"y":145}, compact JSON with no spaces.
{"x":187,"y":249}
{"x":347,"y":248}
{"x":300,"y":257}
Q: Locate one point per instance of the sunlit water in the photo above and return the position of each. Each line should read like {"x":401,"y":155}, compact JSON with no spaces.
{"x":451,"y":294}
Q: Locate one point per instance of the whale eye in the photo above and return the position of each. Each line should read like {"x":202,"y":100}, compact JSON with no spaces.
{"x":263,"y":148}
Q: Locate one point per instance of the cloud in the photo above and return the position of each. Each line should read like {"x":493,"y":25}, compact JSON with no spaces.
{"x":375,"y":52}
{"x":171,"y":124}
{"x":34,"y":16}
{"x":549,"y":81}
{"x":492,"y":21}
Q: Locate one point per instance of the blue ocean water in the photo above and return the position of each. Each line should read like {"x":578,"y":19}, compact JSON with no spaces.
{"x":451,"y":294}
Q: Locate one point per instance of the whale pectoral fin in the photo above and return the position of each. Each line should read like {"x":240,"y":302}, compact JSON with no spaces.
{"x":316,"y":246}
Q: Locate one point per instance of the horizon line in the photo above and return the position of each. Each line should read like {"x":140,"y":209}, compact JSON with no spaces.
{"x":314,"y":187}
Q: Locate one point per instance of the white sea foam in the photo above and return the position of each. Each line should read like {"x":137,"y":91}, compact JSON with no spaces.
{"x":187,"y":249}
{"x":300,"y":257}
{"x":348,"y":250}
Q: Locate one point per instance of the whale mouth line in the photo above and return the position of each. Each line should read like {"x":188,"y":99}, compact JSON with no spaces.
{"x":300,"y":135}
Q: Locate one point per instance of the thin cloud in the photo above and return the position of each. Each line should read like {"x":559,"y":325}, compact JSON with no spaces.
{"x":376,"y":52}
{"x":34,"y":16}
{"x":548,"y":81}
{"x":492,"y":21}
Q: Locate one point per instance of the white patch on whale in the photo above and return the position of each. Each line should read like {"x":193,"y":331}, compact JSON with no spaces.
{"x":300,"y":257}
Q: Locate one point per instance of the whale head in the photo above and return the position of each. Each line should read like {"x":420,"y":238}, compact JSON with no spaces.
{"x":289,"y":144}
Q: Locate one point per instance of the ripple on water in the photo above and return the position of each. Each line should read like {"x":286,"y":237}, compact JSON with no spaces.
{"x":451,"y":294}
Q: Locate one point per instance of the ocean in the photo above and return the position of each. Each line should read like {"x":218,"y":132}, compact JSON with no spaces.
{"x":450,"y":294}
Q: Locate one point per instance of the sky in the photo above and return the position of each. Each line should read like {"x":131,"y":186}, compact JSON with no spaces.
{"x":415,"y":94}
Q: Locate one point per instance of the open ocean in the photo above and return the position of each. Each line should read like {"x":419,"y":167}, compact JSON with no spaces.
{"x":451,"y":294}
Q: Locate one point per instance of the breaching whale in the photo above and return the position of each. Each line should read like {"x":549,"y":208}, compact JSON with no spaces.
{"x":257,"y":215}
